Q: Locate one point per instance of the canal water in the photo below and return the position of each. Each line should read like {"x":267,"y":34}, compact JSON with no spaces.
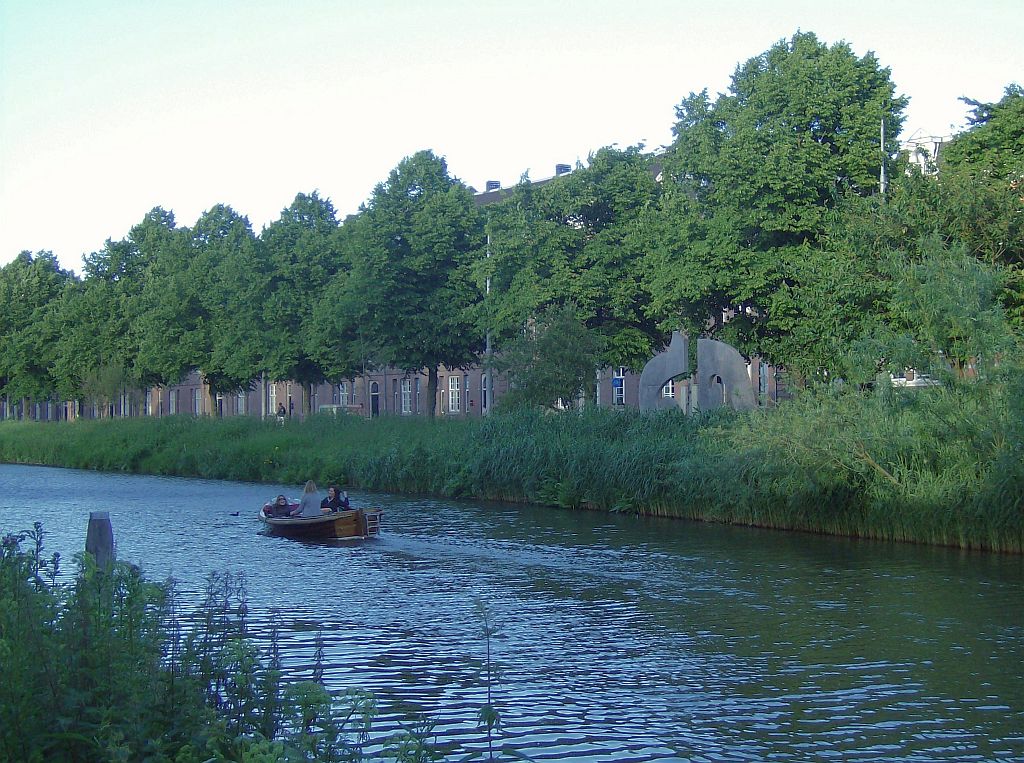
{"x":620,"y":639}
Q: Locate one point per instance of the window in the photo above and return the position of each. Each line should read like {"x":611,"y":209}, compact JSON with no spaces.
{"x":343,"y":393}
{"x":197,"y":401}
{"x":406,"y":396}
{"x":149,"y":402}
{"x":669,"y":390}
{"x":172,"y":401}
{"x":272,"y":399}
{"x":240,"y":404}
{"x":484,"y":399}
{"x":619,"y":386}
{"x":394,"y":394}
{"x":454,"y":394}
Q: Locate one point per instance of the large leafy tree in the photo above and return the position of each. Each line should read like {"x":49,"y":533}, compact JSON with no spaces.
{"x":750,"y":179}
{"x":200,"y":303}
{"x":410,"y":284}
{"x":236,"y":271}
{"x":338,"y":338}
{"x":994,"y":142}
{"x":30,"y":286}
{"x":576,"y":239}
{"x":973,"y":202}
{"x":552,"y":362}
{"x":98,"y":344}
{"x":166,"y":342}
{"x":302,"y":248}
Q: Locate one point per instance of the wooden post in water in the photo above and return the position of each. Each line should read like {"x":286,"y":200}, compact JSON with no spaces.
{"x":99,"y":540}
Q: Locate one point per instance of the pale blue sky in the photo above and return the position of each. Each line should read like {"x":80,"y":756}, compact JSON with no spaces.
{"x":108,"y":109}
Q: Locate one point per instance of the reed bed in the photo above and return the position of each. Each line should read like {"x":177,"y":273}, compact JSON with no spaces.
{"x":940,"y":466}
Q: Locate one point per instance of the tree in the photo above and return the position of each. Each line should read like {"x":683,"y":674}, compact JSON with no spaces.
{"x":337,"y":338}
{"x":943,"y":318}
{"x":576,"y":239}
{"x":200,"y":303}
{"x":750,"y":179}
{"x":410,"y":284}
{"x":553,"y":362}
{"x":166,"y":301}
{"x":303,"y":257}
{"x":995,"y":141}
{"x":29,"y":288}
{"x":96,"y":354}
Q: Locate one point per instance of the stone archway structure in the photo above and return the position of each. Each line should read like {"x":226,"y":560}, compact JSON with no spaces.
{"x":719,"y":359}
{"x":673,"y":362}
{"x":721,"y":375}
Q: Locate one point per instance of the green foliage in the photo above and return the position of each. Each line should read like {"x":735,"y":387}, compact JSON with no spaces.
{"x":410,"y":284}
{"x":575,"y":239}
{"x":749,"y":181}
{"x":108,"y":667}
{"x":30,"y":286}
{"x":303,"y":258}
{"x":825,"y":462}
{"x":552,"y":363}
{"x":995,"y":141}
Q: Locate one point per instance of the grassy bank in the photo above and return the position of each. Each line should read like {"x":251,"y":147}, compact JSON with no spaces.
{"x":940,"y":466}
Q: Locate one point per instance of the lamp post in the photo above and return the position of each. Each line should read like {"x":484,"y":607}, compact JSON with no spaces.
{"x":488,"y":377}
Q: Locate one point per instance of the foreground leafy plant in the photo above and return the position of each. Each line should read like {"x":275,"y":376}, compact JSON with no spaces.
{"x":107,"y":667}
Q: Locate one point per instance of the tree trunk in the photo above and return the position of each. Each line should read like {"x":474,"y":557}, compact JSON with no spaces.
{"x":432,"y":391}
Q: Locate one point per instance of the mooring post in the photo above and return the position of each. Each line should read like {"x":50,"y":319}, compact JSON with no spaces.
{"x":99,"y":540}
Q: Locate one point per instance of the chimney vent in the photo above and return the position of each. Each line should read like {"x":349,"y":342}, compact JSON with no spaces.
{"x":493,"y":185}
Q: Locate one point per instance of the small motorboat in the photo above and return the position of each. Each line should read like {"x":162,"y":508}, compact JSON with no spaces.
{"x":349,"y":523}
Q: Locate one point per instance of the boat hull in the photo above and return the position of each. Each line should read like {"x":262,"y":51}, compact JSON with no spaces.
{"x":356,"y":523}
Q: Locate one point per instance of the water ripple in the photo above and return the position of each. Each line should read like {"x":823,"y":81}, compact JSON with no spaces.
{"x":618,"y":639}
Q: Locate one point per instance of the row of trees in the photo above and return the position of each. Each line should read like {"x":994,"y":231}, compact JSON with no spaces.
{"x":764,"y":210}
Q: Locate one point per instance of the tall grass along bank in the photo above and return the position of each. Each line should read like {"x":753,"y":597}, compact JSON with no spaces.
{"x":940,"y":466}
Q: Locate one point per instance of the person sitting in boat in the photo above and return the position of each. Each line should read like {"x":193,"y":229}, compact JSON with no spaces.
{"x":279,"y":508}
{"x":335,"y":500}
{"x":309,"y":504}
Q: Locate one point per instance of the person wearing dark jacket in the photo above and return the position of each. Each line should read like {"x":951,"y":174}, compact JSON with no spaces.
{"x":335,"y":500}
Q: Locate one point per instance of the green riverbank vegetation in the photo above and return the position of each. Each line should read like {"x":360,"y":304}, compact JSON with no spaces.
{"x":106,"y":665}
{"x":937,"y":465}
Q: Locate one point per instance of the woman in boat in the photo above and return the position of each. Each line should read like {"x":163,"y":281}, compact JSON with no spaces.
{"x":335,"y":500}
{"x":309,"y":504}
{"x":280,"y":507}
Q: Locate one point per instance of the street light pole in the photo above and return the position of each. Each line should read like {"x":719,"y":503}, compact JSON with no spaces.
{"x":488,"y":377}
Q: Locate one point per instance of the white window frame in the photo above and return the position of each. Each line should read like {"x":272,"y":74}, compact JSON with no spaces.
{"x":172,"y":401}
{"x":669,"y":390}
{"x":343,"y":393}
{"x":197,"y":401}
{"x":454,"y":394}
{"x":406,"y":396}
{"x":240,"y":404}
{"x":619,"y":392}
